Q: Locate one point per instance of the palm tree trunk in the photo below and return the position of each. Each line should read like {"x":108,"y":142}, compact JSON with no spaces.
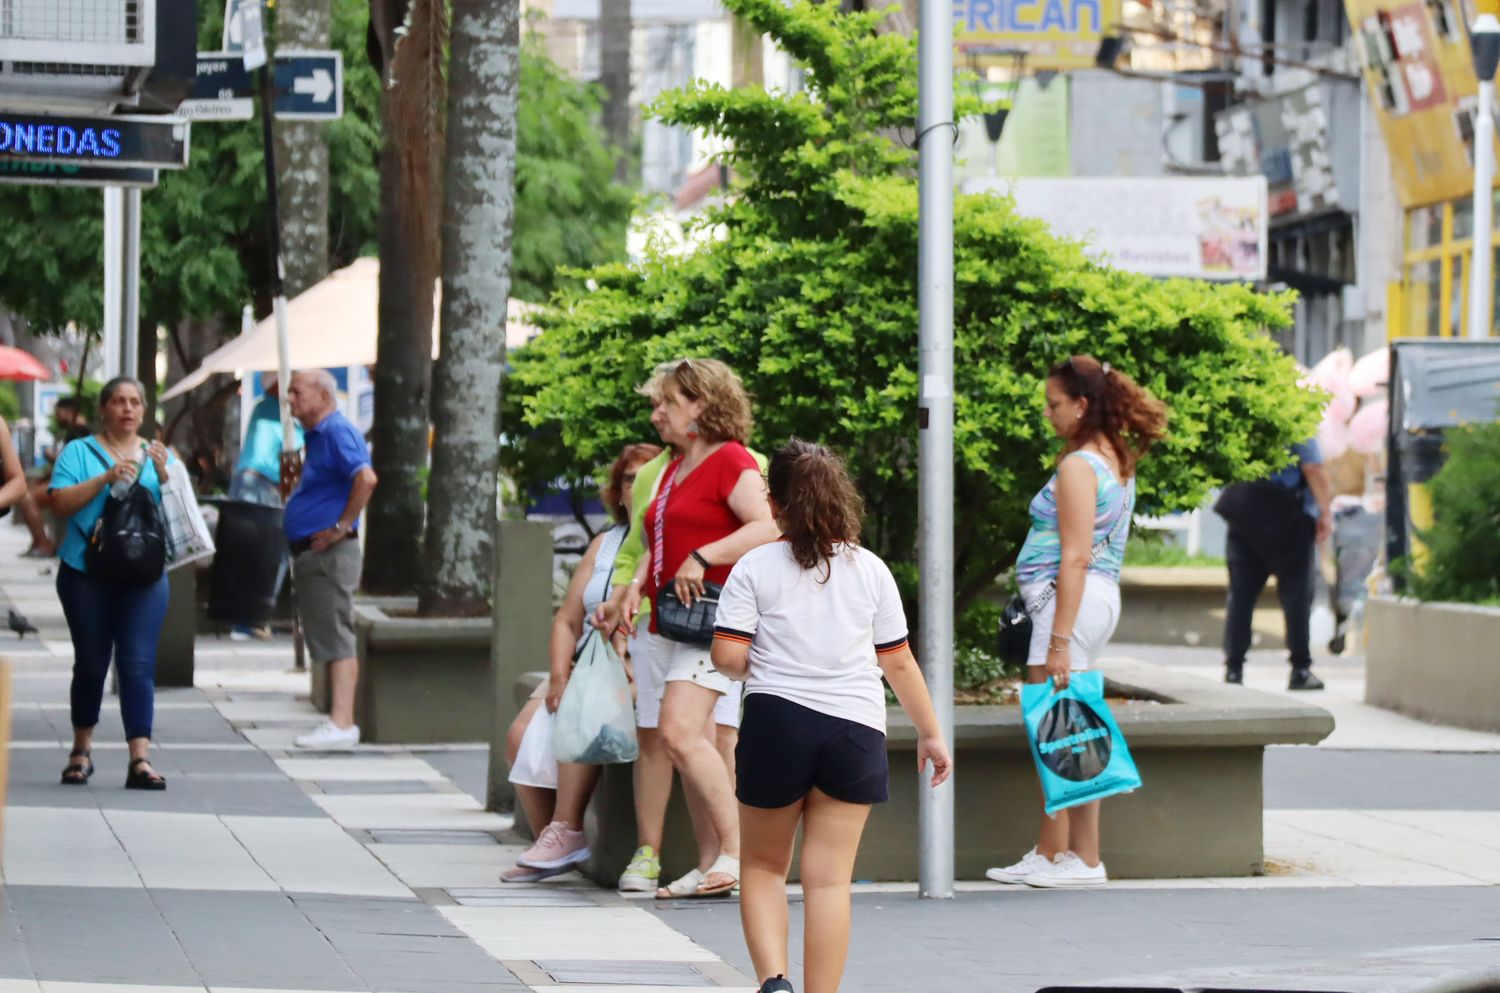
{"x":614,"y":72}
{"x":410,"y":195}
{"x":478,"y":211}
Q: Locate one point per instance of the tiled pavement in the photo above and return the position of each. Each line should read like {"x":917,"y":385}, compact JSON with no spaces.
{"x":265,"y":870}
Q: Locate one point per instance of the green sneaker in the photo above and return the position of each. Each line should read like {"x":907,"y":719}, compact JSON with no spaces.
{"x":643,"y":872}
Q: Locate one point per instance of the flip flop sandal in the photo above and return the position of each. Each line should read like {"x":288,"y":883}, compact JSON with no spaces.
{"x":140,"y":779}
{"x":77,"y":774}
{"x":724,"y":865}
{"x":686,"y":886}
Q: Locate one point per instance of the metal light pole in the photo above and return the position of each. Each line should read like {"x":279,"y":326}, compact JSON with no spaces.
{"x":935,"y":132}
{"x":1484,"y":34}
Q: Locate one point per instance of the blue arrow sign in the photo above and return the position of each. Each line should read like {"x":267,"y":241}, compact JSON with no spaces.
{"x":309,"y":85}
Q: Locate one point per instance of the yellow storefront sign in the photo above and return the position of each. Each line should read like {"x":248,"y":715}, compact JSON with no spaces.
{"x":1416,"y":60}
{"x":1054,"y":34}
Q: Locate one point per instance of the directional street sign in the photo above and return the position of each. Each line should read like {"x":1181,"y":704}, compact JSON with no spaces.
{"x":21,"y":173}
{"x":146,"y":142}
{"x":309,"y":85}
{"x":222,"y":91}
{"x":252,"y":34}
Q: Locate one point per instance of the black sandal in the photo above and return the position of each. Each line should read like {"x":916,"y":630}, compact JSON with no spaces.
{"x":77,"y":774}
{"x":138,"y":779}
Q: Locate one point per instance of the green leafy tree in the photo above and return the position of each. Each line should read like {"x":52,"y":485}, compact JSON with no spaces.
{"x":1462,"y":562}
{"x":805,"y":284}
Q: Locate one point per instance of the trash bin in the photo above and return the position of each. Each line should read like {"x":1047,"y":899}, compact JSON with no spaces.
{"x":1435,"y":384}
{"x":249,"y":547}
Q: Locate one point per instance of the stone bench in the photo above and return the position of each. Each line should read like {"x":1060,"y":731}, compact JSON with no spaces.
{"x":1199,"y":746}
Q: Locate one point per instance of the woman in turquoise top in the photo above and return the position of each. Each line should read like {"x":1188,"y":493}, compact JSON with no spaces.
{"x":108,"y":620}
{"x":1069,"y":571}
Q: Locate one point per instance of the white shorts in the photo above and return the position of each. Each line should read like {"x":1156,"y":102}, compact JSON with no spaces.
{"x":658,"y":661}
{"x":1098,"y":613}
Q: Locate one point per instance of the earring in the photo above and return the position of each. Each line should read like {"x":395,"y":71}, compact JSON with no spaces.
{"x":692,"y":430}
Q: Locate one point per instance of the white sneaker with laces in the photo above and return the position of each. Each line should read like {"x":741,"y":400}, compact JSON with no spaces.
{"x":1015,"y":875}
{"x":1068,"y":871}
{"x":329,"y":737}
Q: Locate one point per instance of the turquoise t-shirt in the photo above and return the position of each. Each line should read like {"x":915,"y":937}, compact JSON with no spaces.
{"x":262,"y":451}
{"x":81,"y":461}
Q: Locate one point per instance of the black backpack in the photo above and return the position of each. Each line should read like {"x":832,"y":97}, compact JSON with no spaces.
{"x":128,"y":545}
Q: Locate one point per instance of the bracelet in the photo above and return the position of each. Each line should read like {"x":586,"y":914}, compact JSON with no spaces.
{"x":1064,"y":638}
{"x":633,"y":582}
{"x":700,"y":559}
{"x":1057,"y":649}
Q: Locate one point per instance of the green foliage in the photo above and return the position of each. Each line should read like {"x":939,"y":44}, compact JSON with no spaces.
{"x":1149,"y":550}
{"x":10,"y":403}
{"x":570,"y":213}
{"x":808,"y":289}
{"x":1463,"y":544}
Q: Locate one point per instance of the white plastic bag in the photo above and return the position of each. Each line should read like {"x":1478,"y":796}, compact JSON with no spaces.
{"x":535,"y":763}
{"x":188,"y":537}
{"x":595,"y":722}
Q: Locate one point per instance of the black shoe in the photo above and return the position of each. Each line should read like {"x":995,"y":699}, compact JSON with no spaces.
{"x":1234,"y":674}
{"x":142,"y":778}
{"x":777,"y":984}
{"x":1303,"y":679}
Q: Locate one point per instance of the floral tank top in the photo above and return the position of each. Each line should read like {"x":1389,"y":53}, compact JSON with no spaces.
{"x":1042,"y":553}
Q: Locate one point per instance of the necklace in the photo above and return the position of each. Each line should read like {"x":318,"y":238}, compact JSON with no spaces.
{"x":104,"y":440}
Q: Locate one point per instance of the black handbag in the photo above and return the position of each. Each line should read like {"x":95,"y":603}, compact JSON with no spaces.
{"x":691,"y":625}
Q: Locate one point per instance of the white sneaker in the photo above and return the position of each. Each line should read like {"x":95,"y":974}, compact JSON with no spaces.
{"x":329,"y":737}
{"x":1032,"y":861}
{"x":1068,"y":871}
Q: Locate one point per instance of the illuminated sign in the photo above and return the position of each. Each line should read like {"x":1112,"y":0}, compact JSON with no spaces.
{"x":1054,"y":34}
{"x":141,"y":142}
{"x":24,"y":173}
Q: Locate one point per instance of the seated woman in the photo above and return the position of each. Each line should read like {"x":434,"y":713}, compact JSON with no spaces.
{"x":555,"y":794}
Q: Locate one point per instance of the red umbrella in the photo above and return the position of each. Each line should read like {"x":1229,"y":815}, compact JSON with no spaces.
{"x":16,"y":364}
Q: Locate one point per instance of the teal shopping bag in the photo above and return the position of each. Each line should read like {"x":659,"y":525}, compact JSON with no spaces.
{"x":1080,"y":754}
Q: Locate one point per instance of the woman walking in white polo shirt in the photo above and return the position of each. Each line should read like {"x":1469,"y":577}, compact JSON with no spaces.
{"x":811,"y":622}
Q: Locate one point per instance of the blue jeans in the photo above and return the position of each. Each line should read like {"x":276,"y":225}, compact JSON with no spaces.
{"x":120,"y":621}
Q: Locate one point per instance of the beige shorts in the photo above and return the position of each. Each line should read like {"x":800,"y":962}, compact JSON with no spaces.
{"x":325,"y":583}
{"x":658,"y":661}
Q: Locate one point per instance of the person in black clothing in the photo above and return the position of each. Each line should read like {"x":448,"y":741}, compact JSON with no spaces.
{"x":1275,"y":527}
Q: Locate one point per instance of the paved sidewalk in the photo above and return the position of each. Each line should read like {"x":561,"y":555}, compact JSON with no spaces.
{"x":261,"y":869}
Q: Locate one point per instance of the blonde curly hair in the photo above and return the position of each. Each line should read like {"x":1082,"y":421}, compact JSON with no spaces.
{"x":726,"y":406}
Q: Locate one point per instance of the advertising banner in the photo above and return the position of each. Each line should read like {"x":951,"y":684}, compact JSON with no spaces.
{"x":1201,"y":228}
{"x":1054,"y":34}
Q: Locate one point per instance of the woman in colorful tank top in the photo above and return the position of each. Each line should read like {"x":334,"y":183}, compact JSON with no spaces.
{"x":1069,"y":571}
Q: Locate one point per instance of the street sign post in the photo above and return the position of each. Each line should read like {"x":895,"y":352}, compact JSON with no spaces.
{"x":143,"y":142}
{"x":252,"y":34}
{"x":222,"y":92}
{"x":309,"y":85}
{"x":19,"y":172}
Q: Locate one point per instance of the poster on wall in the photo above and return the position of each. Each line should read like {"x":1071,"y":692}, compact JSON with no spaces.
{"x":1199,"y":228}
{"x":1420,"y":74}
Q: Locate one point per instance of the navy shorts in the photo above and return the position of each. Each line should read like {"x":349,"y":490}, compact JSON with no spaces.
{"x":786,"y":749}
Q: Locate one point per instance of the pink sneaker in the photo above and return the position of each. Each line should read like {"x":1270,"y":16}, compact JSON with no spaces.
{"x":557,"y":848}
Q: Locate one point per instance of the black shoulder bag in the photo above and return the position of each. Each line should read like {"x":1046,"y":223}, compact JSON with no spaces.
{"x":128,"y":545}
{"x":1013,"y":640}
{"x":676,"y":621}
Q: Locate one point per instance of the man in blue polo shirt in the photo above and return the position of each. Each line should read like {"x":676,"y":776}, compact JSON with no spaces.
{"x":322,"y":528}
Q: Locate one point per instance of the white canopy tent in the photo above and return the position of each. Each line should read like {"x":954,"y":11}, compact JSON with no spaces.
{"x":332,"y":325}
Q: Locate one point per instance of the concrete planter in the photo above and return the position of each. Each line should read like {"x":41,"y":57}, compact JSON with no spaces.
{"x":1185,"y":606}
{"x":421,"y":680}
{"x":1434,"y":661}
{"x":1199,"y":746}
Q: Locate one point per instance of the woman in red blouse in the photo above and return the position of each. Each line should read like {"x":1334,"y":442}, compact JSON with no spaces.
{"x":710,"y":508}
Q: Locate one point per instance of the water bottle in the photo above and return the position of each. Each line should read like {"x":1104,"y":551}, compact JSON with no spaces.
{"x":120,"y":487}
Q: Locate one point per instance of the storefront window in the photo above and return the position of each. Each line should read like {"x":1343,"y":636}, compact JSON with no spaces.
{"x":1424,"y":299}
{"x":1463,"y":219}
{"x":1425,"y":228}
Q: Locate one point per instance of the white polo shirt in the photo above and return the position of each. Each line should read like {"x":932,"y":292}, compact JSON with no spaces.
{"x":813,"y":641}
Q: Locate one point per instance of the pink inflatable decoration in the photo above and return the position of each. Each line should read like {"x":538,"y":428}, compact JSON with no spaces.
{"x":1367,"y":430}
{"x":1371,"y":373}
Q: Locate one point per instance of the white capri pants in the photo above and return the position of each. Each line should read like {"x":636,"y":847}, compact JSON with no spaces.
{"x":658,"y":661}
{"x":1098,"y":614}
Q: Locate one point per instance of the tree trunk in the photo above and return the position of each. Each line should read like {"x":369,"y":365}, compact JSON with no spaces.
{"x":478,"y":210}
{"x":614,"y":73}
{"x":302,"y":158}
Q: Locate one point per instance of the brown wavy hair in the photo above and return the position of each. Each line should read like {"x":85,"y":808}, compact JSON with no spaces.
{"x":817,"y":506}
{"x":1119,"y":410}
{"x":726,"y":406}
{"x":613,"y":490}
